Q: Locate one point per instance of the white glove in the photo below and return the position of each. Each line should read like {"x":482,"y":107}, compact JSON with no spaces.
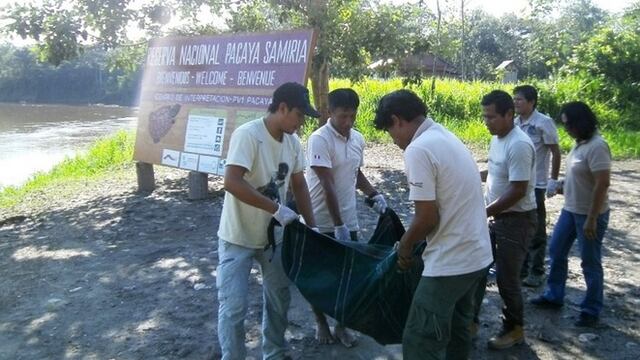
{"x":284,"y":215}
{"x":315,"y":229}
{"x":379,"y":204}
{"x":552,"y":187}
{"x":341,"y":232}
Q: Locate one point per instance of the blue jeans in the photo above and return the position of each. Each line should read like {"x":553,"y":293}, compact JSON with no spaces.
{"x":232,"y":281}
{"x":567,"y":229}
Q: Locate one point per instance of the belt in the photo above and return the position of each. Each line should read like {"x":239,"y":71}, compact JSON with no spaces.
{"x":512,"y":214}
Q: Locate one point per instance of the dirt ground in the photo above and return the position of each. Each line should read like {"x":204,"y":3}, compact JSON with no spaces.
{"x":103,"y":272}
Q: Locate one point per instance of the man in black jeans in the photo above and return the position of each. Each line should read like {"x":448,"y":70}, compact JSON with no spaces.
{"x":544,"y":135}
{"x":510,"y":202}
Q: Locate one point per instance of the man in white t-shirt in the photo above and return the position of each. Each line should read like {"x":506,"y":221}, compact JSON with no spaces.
{"x":544,"y":135}
{"x":510,"y":201}
{"x":450,"y":215}
{"x":264,"y":158}
{"x":335,"y":154}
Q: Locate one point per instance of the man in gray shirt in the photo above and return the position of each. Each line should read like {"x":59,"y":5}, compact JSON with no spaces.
{"x":510,"y":202}
{"x":544,"y":135}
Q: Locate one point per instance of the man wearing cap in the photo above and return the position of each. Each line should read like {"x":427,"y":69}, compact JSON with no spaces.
{"x":334,"y":156}
{"x":264,"y":158}
{"x":544,"y":135}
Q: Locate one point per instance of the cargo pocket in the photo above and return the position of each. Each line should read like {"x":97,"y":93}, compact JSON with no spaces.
{"x":423,"y":325}
{"x":224,"y":260}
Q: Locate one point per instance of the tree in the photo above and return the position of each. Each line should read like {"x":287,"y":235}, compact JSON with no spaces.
{"x":539,"y":41}
{"x":612,"y":58}
{"x":437,"y":47}
{"x":86,"y":79}
{"x":63,"y":29}
{"x":351,"y":33}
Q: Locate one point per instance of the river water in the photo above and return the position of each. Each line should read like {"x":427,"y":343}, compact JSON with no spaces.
{"x":34,"y":138}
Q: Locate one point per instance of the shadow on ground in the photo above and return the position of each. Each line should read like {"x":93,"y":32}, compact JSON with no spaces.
{"x":132,"y":276}
{"x":123,"y":275}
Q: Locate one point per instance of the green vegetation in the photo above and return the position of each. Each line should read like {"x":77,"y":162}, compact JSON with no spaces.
{"x":551,"y":38}
{"x":105,"y":155}
{"x":94,"y":77}
{"x":82,"y":54}
{"x":456,"y":105}
{"x":572,"y":48}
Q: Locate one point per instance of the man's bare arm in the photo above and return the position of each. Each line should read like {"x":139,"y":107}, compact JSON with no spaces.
{"x":516,"y":191}
{"x":303,"y":200}
{"x":425,"y":220}
{"x":328,"y":186}
{"x":555,"y":160}
{"x":363,"y":184}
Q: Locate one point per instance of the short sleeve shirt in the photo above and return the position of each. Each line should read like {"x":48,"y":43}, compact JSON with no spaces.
{"x":269,"y":165}
{"x":511,"y":158}
{"x":543,"y":132}
{"x":584,"y":159}
{"x":327,"y":148}
{"x":440,"y":168}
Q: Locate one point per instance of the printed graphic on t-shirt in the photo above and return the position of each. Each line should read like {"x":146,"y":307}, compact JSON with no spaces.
{"x":531,"y":130}
{"x":272,"y":189}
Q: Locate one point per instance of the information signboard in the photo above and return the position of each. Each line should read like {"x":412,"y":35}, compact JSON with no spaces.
{"x":197,"y":90}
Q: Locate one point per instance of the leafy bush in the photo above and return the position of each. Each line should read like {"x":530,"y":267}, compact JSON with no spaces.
{"x":456,"y":105}
{"x":607,"y":66}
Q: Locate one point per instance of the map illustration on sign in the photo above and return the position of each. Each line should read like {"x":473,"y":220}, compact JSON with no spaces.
{"x":161,"y":120}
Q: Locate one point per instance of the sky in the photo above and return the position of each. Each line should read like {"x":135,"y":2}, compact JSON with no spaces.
{"x":494,"y":7}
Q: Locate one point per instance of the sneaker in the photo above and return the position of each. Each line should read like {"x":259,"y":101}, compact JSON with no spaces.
{"x":507,"y":338}
{"x":544,"y":303}
{"x":586,"y":320}
{"x":533,"y":280}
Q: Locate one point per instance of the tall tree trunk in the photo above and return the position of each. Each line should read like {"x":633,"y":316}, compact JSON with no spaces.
{"x":462,"y":49}
{"x":436,"y":51}
{"x":320,"y":87}
{"x":317,"y":13}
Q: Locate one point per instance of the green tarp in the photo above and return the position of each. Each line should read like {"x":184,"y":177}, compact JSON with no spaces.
{"x":357,"y":284}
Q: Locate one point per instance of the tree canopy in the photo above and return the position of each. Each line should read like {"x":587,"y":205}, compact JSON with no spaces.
{"x":87,"y":79}
{"x":566,"y":37}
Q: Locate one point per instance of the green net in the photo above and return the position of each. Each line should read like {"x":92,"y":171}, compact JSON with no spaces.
{"x":358,"y":284}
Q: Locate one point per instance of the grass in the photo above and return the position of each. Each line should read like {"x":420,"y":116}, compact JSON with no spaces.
{"x":454,"y":104}
{"x":104,"y":155}
{"x":623,"y":144}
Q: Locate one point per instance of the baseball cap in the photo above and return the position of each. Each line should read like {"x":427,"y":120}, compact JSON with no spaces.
{"x":295,"y":96}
